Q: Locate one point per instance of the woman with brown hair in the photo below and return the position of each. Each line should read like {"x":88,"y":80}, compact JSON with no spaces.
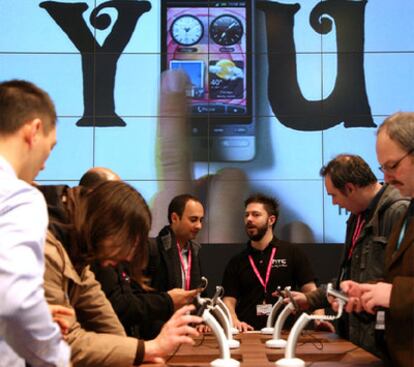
{"x":107,"y":225}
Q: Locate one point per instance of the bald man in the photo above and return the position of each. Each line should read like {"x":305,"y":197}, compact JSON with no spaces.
{"x":96,"y":175}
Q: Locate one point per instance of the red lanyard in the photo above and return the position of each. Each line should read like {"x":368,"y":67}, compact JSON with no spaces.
{"x":358,"y":228}
{"x":187,"y":274}
{"x":269,"y":267}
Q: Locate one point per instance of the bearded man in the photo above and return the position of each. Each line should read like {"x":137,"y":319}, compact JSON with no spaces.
{"x":254,"y":274}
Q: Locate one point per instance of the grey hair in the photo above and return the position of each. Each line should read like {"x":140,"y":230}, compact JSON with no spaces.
{"x":400,"y":128}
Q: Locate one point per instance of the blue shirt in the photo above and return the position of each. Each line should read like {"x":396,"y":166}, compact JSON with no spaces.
{"x":27,"y":331}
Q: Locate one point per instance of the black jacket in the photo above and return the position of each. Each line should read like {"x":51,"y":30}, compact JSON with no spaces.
{"x":164,"y":267}
{"x":141,"y":313}
{"x":366,"y":265}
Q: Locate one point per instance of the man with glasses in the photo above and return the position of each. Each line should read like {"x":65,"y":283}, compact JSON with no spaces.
{"x":375,"y":209}
{"x":395,"y":147}
{"x":391,"y":167}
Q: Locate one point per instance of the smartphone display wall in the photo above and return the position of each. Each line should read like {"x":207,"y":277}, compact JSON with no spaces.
{"x":323,"y":75}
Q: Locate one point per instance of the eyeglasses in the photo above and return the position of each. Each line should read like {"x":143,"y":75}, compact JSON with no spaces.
{"x":390,"y":167}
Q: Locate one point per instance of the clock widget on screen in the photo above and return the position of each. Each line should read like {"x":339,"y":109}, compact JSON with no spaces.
{"x":187,"y":30}
{"x":226,"y":30}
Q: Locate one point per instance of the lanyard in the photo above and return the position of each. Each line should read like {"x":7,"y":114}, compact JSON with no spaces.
{"x":187,"y":274}
{"x":269,"y":267}
{"x":358,"y":228}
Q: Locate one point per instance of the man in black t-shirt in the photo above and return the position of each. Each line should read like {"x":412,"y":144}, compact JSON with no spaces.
{"x":251,"y":276}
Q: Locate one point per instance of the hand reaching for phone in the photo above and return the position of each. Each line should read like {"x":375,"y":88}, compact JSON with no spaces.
{"x":366,"y":296}
{"x":222,"y":193}
{"x":181,"y":297}
{"x":353,"y":291}
{"x":177,"y":330}
{"x":298,"y":297}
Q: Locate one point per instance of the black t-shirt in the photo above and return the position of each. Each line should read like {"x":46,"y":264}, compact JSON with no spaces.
{"x":290,"y":267}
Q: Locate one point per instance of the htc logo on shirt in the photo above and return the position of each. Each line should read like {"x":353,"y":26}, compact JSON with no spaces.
{"x":279,"y":263}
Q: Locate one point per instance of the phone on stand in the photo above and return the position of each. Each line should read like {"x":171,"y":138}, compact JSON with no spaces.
{"x":212,"y":42}
{"x":291,"y":299}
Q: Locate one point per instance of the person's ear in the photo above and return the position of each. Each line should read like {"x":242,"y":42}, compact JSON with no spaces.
{"x":174,"y":217}
{"x":349,"y":188}
{"x":31,"y":131}
{"x":272,"y":219}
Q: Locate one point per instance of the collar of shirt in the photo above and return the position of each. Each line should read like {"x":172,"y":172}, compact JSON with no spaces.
{"x":369,"y":211}
{"x":184,"y":250}
{"x":6,"y":167}
{"x":253,"y":251}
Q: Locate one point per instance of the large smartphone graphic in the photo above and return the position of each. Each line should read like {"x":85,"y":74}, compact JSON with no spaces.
{"x":212,"y":42}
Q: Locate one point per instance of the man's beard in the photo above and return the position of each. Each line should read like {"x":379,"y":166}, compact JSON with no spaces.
{"x":261,"y":231}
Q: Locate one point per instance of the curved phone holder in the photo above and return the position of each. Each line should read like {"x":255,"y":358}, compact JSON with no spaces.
{"x":225,"y":325}
{"x":225,"y":359}
{"x":221,"y":317}
{"x":301,"y":322}
{"x":215,"y":311}
{"x":277,"y":341}
{"x":203,"y":284}
{"x":268,"y":329}
{"x":226,"y":311}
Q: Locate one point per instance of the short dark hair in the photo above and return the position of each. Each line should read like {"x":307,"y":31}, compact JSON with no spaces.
{"x":400,"y":128}
{"x":21,"y":101}
{"x":270,"y":204}
{"x":348,"y":168}
{"x":178,"y":203}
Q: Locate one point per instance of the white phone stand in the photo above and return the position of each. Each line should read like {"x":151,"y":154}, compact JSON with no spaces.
{"x":226,"y":311}
{"x":301,"y":322}
{"x":277,"y":341}
{"x":268,"y":329}
{"x":225,"y":359}
{"x":222,"y":319}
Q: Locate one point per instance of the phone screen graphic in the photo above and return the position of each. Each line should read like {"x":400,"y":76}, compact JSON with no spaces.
{"x":195,"y":71}
{"x":211,"y":41}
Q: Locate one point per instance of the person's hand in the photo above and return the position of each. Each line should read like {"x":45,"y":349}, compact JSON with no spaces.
{"x":374,"y":295}
{"x":63,"y":316}
{"x":242,"y":326}
{"x":222,"y":192}
{"x":299,"y":297}
{"x":181,"y":297}
{"x":353,"y":291}
{"x":351,"y":288}
{"x":176,"y":331}
{"x":203,"y":328}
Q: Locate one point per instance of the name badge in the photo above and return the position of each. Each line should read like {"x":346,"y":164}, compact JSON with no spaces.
{"x":263,"y":309}
{"x":380,"y":322}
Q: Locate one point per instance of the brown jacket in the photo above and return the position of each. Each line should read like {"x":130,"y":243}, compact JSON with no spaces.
{"x":96,"y":336}
{"x":399,"y":322}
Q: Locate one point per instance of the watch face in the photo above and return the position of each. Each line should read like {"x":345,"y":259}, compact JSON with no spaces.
{"x":226,"y":30}
{"x":187,"y":30}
